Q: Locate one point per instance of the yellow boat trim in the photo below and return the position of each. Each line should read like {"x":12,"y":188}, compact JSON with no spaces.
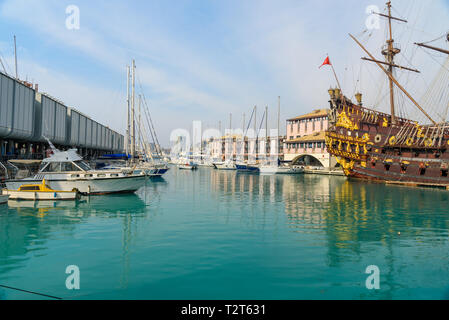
{"x":40,"y":188}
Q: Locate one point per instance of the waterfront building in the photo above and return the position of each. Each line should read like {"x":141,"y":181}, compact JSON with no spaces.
{"x":229,"y":147}
{"x":28,"y":116}
{"x":305,"y":142}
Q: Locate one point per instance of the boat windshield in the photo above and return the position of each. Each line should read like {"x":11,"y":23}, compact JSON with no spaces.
{"x":64,"y":166}
{"x":83,"y":165}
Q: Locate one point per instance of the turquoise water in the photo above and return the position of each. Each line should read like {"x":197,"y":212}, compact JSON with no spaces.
{"x":223,"y":235}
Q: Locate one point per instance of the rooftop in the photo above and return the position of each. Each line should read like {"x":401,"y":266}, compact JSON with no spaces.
{"x":315,"y":114}
{"x":316,"y":137}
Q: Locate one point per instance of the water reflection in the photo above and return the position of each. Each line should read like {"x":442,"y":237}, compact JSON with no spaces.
{"x":357,"y":222}
{"x":329,"y":222}
{"x":27,"y":226}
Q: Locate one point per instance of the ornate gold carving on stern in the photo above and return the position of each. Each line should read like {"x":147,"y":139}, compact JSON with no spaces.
{"x":347,"y":165}
{"x":365,"y":137}
{"x":345,"y":122}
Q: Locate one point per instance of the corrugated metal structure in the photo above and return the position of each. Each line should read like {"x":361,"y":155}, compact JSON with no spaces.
{"x":27,"y":117}
{"x":17,"y":109}
{"x":53,"y":121}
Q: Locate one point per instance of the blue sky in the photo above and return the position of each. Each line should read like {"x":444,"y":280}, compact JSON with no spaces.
{"x":203,"y":59}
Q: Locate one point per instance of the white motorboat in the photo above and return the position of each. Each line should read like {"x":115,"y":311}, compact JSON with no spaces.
{"x":228,"y":165}
{"x":188,"y":166}
{"x":4,"y":199}
{"x":66,"y":171}
{"x":280,"y":170}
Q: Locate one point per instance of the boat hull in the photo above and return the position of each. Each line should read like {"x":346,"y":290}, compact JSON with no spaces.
{"x":225,"y":166}
{"x":40,"y":195}
{"x":246,"y":168}
{"x":95,"y":186}
{"x":280,"y":170}
{"x":3,"y":199}
{"x":368,"y":146}
{"x":187,"y":167}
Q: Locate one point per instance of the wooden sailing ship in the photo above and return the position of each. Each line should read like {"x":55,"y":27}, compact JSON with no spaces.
{"x":385,"y":147}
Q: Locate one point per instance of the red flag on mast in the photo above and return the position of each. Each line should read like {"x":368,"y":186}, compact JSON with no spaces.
{"x":326,"y":62}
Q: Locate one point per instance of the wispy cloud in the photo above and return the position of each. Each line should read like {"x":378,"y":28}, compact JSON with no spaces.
{"x":203,"y":60}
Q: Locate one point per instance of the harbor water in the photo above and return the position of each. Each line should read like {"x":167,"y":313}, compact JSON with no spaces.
{"x":211,"y":234}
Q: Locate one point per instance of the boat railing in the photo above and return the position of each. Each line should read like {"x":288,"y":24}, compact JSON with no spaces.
{"x":5,"y":170}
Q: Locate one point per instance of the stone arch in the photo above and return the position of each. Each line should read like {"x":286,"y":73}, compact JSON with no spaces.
{"x":308,"y":160}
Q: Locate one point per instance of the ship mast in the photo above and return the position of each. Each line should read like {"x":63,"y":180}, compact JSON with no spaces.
{"x":390,"y":51}
{"x":389,"y":54}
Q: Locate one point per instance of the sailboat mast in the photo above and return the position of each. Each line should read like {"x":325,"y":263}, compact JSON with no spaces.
{"x":230,"y":123}
{"x":390,"y":59}
{"x":127,"y":107}
{"x":266,"y":130}
{"x":133,"y":102}
{"x":140,"y":121}
{"x":243,"y":138}
{"x":255,"y":132}
{"x":279,"y":125}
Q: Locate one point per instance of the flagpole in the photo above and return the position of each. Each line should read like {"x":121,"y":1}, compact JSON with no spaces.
{"x":336,"y":78}
{"x":328,"y":62}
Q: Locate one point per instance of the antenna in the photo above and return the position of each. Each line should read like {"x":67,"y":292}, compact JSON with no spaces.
{"x":15,"y":56}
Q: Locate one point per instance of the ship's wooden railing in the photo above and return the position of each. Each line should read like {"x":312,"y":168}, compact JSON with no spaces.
{"x":358,"y":109}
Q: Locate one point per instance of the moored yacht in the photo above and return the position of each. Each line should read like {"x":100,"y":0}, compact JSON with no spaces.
{"x":227,"y":165}
{"x":281,"y":170}
{"x":243,"y":167}
{"x":66,"y":171}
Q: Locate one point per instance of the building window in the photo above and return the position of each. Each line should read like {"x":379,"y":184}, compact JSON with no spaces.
{"x":302,"y":145}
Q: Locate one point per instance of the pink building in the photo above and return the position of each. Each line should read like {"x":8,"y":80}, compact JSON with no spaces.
{"x":306,"y":140}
